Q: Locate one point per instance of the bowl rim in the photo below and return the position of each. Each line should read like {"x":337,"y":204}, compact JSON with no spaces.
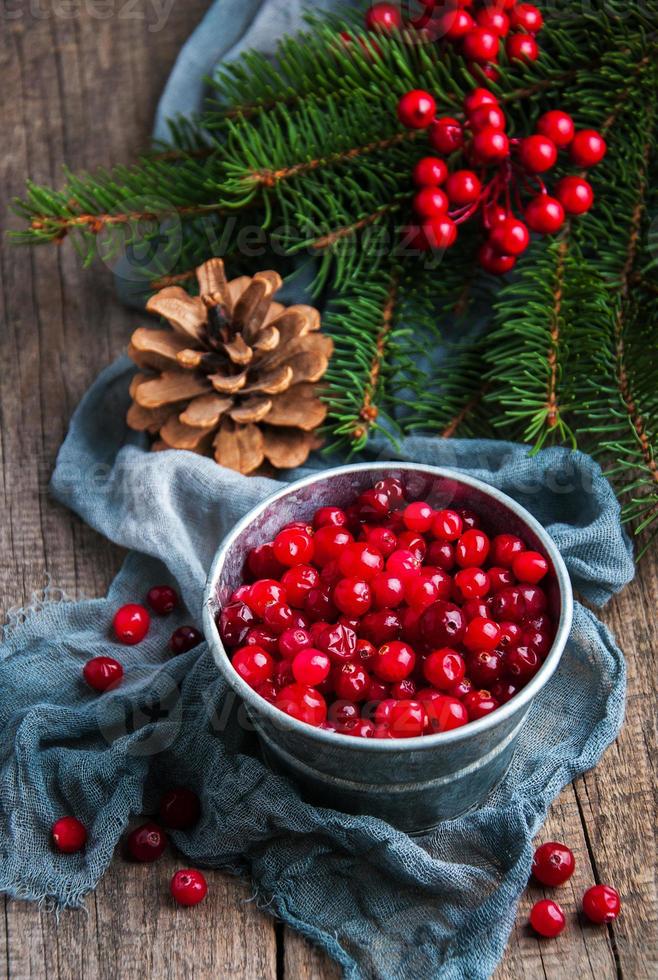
{"x":419,"y":742}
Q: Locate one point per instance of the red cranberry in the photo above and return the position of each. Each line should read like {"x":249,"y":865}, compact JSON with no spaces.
{"x":472,"y":548}
{"x":478,"y":97}
{"x":441,"y":580}
{"x":303,"y":703}
{"x":282,"y":674}
{"x":261,"y":562}
{"x":265,"y":639}
{"x":478,"y":704}
{"x":146,"y":843}
{"x":360,"y":561}
{"x":407,"y":719}
{"x":510,"y":635}
{"x":444,"y":668}
{"x":421,"y":591}
{"x":319,"y":605}
{"x":410,"y":623}
{"x":377,"y":691}
{"x":553,"y":863}
{"x":480,"y":46}
{"x":363,"y":728}
{"x":528,"y":18}
{"x":500,"y":577}
{"x":253,"y":665}
{"x":504,"y":691}
{"x":374,"y":505}
{"x":188,"y":887}
{"x":338,"y":641}
{"x":538,"y":640}
{"x":393,"y":488}
{"x":103,"y":673}
{"x":279,"y":617}
{"x":534,"y":599}
{"x":162,"y":599}
{"x":445,"y":713}
{"x":234,"y":623}
{"x":350,"y":682}
{"x":521,"y":664}
{"x":485,"y":667}
{"x":352,"y":596}
{"x":394,"y":662}
{"x":403,"y":563}
{"x":470,"y":519}
{"x":601,"y":903}
{"x":404,"y":690}
{"x":482,"y":634}
{"x":385,"y":17}
{"x":442,"y":624}
{"x":68,"y":835}
{"x":508,"y":604}
{"x":131,"y":624}
{"x":311,"y":667}
{"x":263,"y":593}
{"x":387,"y":591}
{"x":544,"y":214}
{"x":329,"y":516}
{"x":298,"y":582}
{"x":382,"y":539}
{"x":293,"y":640}
{"x":414,"y":542}
{"x":472,"y":583}
{"x":547,"y":918}
{"x":529,"y":567}
{"x":241,"y":594}
{"x":475,"y":609}
{"x":381,"y":626}
{"x":418,"y":516}
{"x":460,"y":690}
{"x":447,"y":525}
{"x":503,"y":549}
{"x":329,"y":542}
{"x":184,"y":638}
{"x":180,"y":808}
{"x":268,"y":691}
{"x":343,"y":714}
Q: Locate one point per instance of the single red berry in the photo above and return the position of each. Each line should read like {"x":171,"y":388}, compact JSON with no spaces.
{"x":530,"y":567}
{"x":253,"y":665}
{"x":522,"y":47}
{"x":487,"y":116}
{"x":331,"y":516}
{"x":547,"y":918}
{"x":180,"y":808}
{"x":575,"y":194}
{"x":454,"y":24}
{"x":235,"y":621}
{"x":558,"y":126}
{"x":482,"y":633}
{"x":441,"y":554}
{"x":472,"y":548}
{"x":493,"y":261}
{"x":264,"y":593}
{"x":504,"y":691}
{"x":381,"y":626}
{"x":480,"y":46}
{"x":444,"y":668}
{"x":533,"y":598}
{"x":360,"y":560}
{"x":430,"y":172}
{"x":508,"y":604}
{"x":393,"y":487}
{"x":490,"y":145}
{"x":544,"y":214}
{"x":601,"y":903}
{"x":162,"y":599}
{"x":445,"y":713}
{"x":527,"y":17}
{"x":553,"y":863}
{"x":293,"y":641}
{"x":462,"y":187}
{"x":442,"y":624}
{"x":421,"y":590}
{"x":416,"y":109}
{"x":303,"y":703}
{"x":493,"y":214}
{"x":490,"y":72}
{"x":185,"y":638}
{"x":418,"y":516}
{"x":485,"y":668}
{"x":146,"y":843}
{"x":471,"y":583}
{"x":446,"y":525}
{"x":478,"y":97}
{"x":406,"y":719}
{"x":365,"y":654}
{"x":446,"y":135}
{"x":500,"y":578}
{"x":352,"y":596}
{"x":382,"y":539}
{"x":521,"y":664}
{"x":261,"y":562}
{"x":588,"y":148}
{"x":510,"y":237}
{"x":478,"y":704}
{"x":298,"y":582}
{"x":131,"y":623}
{"x":188,"y":887}
{"x":387,"y":591}
{"x":263,"y":638}
{"x":279,"y":617}
{"x":503,"y":549}
{"x":68,"y":835}
{"x":363,"y":728}
{"x":338,"y":641}
{"x":329,"y":542}
{"x":293,"y":546}
{"x":494,"y":20}
{"x":440,"y":232}
{"x":537,"y":153}
{"x":103,"y":673}
{"x":384,"y":17}
{"x":475,"y":609}
{"x":395,"y":661}
{"x":430,"y":202}
{"x":350,"y":682}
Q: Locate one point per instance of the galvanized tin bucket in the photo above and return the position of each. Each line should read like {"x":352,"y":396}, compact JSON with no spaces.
{"x":416,"y":782}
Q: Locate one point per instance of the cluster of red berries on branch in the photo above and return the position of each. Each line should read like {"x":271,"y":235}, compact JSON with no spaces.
{"x":478,"y":27}
{"x":389,"y":618}
{"x":505,"y":181}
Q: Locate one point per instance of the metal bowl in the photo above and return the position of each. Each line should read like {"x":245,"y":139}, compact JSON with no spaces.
{"x":413,"y":783}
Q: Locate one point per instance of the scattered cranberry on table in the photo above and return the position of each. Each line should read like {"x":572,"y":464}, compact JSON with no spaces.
{"x":185,"y":638}
{"x":69,"y":835}
{"x":146,"y":843}
{"x":162,"y":599}
{"x":102,"y":673}
{"x":601,"y":903}
{"x":553,"y":863}
{"x":180,"y":808}
{"x":188,"y":887}
{"x":547,"y":918}
{"x":131,"y":624}
{"x":389,"y":618}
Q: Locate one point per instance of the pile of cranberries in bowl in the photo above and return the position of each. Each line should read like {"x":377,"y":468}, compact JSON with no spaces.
{"x":388,"y":618}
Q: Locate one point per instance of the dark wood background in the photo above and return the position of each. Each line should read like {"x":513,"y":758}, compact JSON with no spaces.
{"x":79,"y":85}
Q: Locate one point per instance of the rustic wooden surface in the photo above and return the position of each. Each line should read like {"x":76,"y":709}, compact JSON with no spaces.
{"x":79,"y":83}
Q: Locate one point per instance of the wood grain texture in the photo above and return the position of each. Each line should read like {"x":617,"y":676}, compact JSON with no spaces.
{"x":81,"y":88}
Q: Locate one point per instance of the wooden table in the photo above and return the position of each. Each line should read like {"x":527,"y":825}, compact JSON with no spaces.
{"x":81,"y":89}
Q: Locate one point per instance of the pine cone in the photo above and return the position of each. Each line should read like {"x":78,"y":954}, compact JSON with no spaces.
{"x":235,"y":376}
